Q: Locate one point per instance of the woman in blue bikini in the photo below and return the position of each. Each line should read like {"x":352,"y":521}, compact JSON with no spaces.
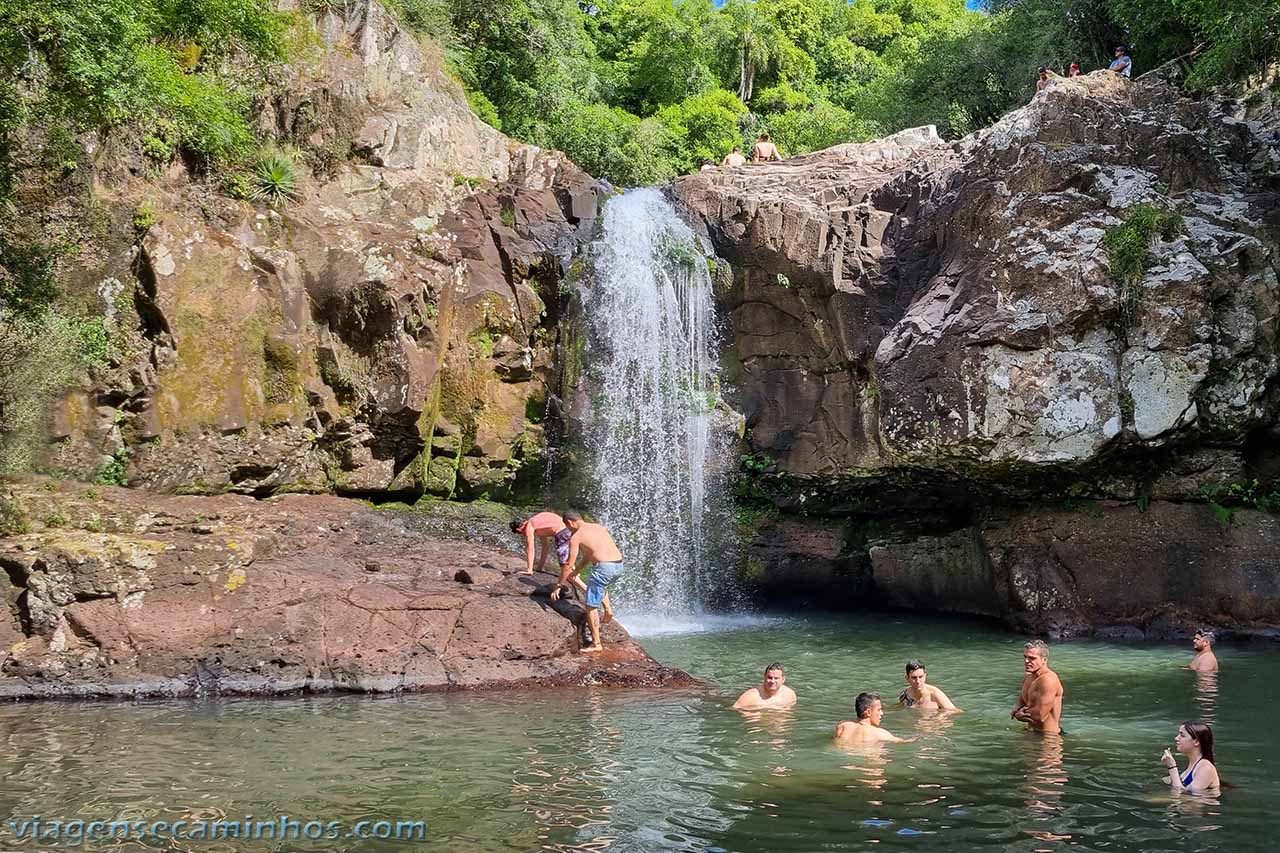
{"x":1195,"y":741}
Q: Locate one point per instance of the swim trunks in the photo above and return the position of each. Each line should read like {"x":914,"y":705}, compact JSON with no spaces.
{"x":562,"y":545}
{"x":602,"y":575}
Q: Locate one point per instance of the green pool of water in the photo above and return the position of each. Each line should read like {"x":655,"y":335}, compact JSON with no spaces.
{"x":603,"y":770}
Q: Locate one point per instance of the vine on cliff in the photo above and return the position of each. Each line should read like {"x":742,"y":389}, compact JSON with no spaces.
{"x":1129,"y":255}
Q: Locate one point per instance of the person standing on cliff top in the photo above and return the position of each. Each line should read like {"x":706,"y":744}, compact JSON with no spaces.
{"x":734,"y":158}
{"x":550,"y":529}
{"x":597,"y":547}
{"x":1205,"y":660}
{"x":765,"y":150}
{"x":772,"y":693}
{"x":1040,"y":700}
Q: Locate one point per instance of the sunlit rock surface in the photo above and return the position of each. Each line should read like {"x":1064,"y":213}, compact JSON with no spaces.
{"x":122,"y":592}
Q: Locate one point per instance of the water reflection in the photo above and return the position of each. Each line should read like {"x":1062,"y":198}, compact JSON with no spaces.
{"x":868,"y":763}
{"x":1207,"y":697}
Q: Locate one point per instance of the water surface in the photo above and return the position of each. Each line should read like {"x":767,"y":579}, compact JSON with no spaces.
{"x":608,"y":770}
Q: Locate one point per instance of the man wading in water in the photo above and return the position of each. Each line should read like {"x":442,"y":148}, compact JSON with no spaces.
{"x":597,"y":547}
{"x":1040,"y":700}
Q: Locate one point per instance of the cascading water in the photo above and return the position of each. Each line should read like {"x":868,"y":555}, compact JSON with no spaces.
{"x":656,"y":458}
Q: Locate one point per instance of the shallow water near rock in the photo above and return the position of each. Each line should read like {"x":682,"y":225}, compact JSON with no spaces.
{"x":615,"y":770}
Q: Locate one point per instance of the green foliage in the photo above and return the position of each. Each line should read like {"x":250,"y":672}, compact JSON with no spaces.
{"x":1128,"y":247}
{"x":783,"y":281}
{"x":56,"y":517}
{"x":114,"y":472}
{"x":15,"y":518}
{"x":157,"y":149}
{"x":1250,"y":495}
{"x":467,"y":181}
{"x":275,"y":177}
{"x":704,"y":126}
{"x":144,"y":217}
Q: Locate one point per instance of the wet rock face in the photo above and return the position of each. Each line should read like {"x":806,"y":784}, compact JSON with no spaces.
{"x":1091,"y":568}
{"x":134,"y":593}
{"x":388,"y":331}
{"x":908,"y":309}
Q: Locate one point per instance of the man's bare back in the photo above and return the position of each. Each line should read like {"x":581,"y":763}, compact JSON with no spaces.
{"x":766,"y":151}
{"x":594,"y":542}
{"x":861,"y":731}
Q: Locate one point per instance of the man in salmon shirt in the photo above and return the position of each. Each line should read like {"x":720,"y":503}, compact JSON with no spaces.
{"x":549,"y":527}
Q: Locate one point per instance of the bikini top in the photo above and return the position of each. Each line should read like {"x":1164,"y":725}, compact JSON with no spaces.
{"x":1186,"y":779}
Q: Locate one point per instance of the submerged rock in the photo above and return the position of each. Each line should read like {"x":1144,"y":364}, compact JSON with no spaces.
{"x":116,"y":592}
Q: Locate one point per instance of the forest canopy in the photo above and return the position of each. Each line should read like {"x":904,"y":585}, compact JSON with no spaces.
{"x":637,"y":91}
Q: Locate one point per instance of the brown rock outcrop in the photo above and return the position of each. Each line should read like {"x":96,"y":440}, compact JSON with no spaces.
{"x":390,"y":330}
{"x":943,"y":319}
{"x":121,"y":592}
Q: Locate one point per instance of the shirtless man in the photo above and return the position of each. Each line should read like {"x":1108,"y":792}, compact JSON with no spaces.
{"x":765,"y":150}
{"x":596,"y":546}
{"x":866,"y":729}
{"x":921,"y":695}
{"x":1205,"y":660}
{"x":734,"y":158}
{"x":1040,"y":700}
{"x":773,"y":693}
{"x":549,"y":527}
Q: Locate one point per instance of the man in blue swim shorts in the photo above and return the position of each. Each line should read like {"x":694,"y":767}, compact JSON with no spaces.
{"x":597,"y":547}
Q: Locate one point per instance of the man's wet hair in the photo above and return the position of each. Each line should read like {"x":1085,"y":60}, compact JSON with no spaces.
{"x":570,"y":515}
{"x":775,"y":665}
{"x":864,"y":702}
{"x":913,"y":665}
{"x":1207,"y":633}
{"x":764,"y":137}
{"x":737,"y":148}
{"x":1039,"y":645}
{"x":517,"y":525}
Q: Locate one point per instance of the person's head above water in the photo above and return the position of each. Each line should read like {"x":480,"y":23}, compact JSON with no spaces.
{"x":1203,"y":639}
{"x":774,"y":677}
{"x":915,"y":674}
{"x":572,"y":519}
{"x":1035,"y":656}
{"x":1192,"y":736}
{"x":867,"y":706}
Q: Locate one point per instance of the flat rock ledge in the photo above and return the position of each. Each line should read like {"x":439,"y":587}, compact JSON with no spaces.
{"x":117,"y":592}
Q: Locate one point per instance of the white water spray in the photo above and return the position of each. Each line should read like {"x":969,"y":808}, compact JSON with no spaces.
{"x":655,"y":457}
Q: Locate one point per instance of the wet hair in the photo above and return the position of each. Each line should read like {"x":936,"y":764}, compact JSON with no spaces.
{"x":517,"y":524}
{"x":775,"y":665}
{"x":737,"y":148}
{"x":1203,"y":736}
{"x":864,"y":702}
{"x":1038,"y":645}
{"x":1207,"y":633}
{"x":764,"y":137}
{"x":570,"y":515}
{"x":707,"y":161}
{"x":913,"y":665}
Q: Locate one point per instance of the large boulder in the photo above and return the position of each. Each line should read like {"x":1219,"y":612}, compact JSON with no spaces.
{"x":931,"y":320}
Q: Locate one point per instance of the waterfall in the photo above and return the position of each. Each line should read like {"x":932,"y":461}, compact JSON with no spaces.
{"x":655,"y":457}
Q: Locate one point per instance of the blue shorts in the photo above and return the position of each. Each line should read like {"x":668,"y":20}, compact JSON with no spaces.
{"x":602,"y":574}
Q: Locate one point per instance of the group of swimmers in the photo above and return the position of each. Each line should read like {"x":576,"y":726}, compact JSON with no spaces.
{"x":1039,"y":706}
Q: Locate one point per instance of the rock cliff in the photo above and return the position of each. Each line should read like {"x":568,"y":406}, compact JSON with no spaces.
{"x":947,"y":344}
{"x":389,"y":331}
{"x":122,"y":592}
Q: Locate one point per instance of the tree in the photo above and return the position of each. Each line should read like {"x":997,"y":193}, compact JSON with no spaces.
{"x":752,"y":37}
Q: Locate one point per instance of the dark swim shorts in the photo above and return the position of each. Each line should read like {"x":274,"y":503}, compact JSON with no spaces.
{"x":562,"y":545}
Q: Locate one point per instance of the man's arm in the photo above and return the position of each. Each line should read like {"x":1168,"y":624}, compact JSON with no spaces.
{"x":567,"y":570}
{"x":943,"y":702}
{"x":1040,"y":701}
{"x":747,"y":700}
{"x":528,"y":542}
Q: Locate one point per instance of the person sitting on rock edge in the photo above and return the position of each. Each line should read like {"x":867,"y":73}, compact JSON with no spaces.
{"x":773,"y":693}
{"x":866,"y":729}
{"x":734,"y":158}
{"x":1122,"y":64}
{"x":708,"y":165}
{"x":765,"y":150}
{"x":1205,"y":660}
{"x":596,"y":546}
{"x":1046,"y":76}
{"x":1074,"y":70}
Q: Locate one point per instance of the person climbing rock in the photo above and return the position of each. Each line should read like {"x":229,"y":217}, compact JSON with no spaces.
{"x":550,"y":529}
{"x":596,"y":546}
